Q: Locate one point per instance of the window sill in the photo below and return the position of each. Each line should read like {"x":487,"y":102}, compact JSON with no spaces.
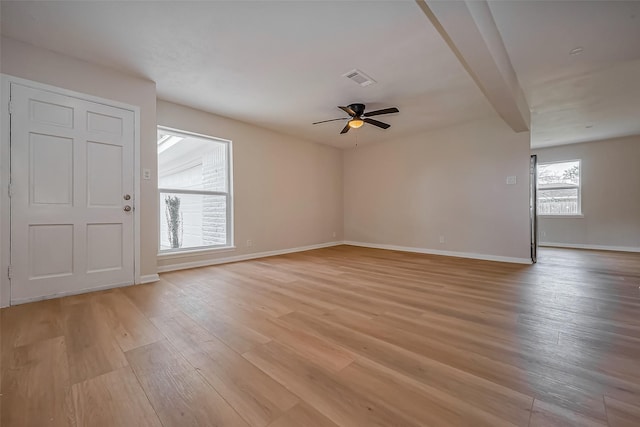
{"x":561,"y":216}
{"x":194,"y":252}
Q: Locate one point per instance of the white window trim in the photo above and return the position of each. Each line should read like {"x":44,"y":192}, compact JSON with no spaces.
{"x":184,"y":252}
{"x":580,"y":214}
{"x":187,"y":253}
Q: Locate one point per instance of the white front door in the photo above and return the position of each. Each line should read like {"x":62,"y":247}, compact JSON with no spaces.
{"x":72,"y":165}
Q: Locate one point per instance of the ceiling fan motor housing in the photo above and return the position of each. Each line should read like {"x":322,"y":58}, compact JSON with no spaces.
{"x":357,"y":108}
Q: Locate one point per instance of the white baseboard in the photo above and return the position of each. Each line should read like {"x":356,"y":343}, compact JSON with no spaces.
{"x":225,"y":260}
{"x":592,"y":247}
{"x":70,"y":293}
{"x":149,"y":278}
{"x":439,"y":252}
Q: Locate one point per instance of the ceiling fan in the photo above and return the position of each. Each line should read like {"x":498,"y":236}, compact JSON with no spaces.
{"x":357,"y":117}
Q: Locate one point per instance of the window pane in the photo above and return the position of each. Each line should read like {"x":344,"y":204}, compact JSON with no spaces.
{"x":558,"y":202}
{"x":559,"y":188}
{"x":191,"y":163}
{"x":562,"y":174}
{"x":192,"y":220}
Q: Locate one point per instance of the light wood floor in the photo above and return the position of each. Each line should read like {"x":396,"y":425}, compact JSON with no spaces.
{"x":341,"y":336}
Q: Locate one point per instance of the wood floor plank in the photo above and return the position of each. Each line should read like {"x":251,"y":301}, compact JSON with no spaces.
{"x":498,"y":360}
{"x":155,"y":299}
{"x":307,"y":345}
{"x":178,"y":393}
{"x":487,"y":395}
{"x":36,"y":387}
{"x":129,"y":326}
{"x":113,"y":399}
{"x":621,"y":414}
{"x":310,"y":347}
{"x":423,"y":403}
{"x":232,"y":333}
{"x":353,"y":300}
{"x":333,"y":398}
{"x":253,"y":394}
{"x":181,"y":330}
{"x":27,"y":323}
{"x":606,"y":345}
{"x":259,"y":287}
{"x":549,"y":415}
{"x":302,"y":415}
{"x":318,"y":306}
{"x":92,"y":349}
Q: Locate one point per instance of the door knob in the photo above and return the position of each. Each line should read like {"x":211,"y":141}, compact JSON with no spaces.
{"x":127,"y":197}
{"x":127,"y":208}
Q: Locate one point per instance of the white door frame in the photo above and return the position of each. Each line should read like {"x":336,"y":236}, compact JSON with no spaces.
{"x":5,"y":207}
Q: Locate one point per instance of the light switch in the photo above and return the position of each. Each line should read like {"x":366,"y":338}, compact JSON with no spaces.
{"x":512,"y":180}
{"x":146,"y":173}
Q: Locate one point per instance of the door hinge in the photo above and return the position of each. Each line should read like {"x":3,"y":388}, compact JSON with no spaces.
{"x":10,"y":190}
{"x":10,"y":272}
{"x":10,"y":107}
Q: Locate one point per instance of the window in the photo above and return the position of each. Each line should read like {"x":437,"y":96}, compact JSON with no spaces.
{"x":559,"y":188}
{"x":195,"y":191}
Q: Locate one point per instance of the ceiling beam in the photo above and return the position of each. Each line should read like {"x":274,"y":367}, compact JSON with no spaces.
{"x":472,"y":35}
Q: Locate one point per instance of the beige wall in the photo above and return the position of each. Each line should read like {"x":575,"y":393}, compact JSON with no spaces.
{"x":287,"y":192}
{"x":610,"y":195}
{"x":44,"y":66}
{"x":451,"y":183}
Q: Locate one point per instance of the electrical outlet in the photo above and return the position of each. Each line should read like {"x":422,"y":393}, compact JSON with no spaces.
{"x":512,"y":180}
{"x":441,"y":239}
{"x":334,"y":234}
{"x":146,"y":173}
{"x":249,"y":243}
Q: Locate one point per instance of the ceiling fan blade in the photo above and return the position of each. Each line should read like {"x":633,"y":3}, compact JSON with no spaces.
{"x":375,"y":123}
{"x":383,"y":111}
{"x":348,"y":110}
{"x":346,"y":129}
{"x":332,"y":120}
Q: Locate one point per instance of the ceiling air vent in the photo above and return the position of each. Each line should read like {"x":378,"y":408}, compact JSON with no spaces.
{"x":359,"y":77}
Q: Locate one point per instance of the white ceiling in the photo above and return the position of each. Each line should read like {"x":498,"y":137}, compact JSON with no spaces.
{"x":599,"y":88}
{"x":280,"y":64}
{"x":275,"y":64}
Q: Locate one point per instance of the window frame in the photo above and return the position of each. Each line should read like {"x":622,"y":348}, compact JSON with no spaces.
{"x":567,"y":187}
{"x":183,"y":252}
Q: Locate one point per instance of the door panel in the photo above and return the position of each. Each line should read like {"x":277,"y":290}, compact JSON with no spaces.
{"x":102,"y":123}
{"x":51,"y":250}
{"x":104,"y":175}
{"x":51,"y":170}
{"x":51,"y":114}
{"x":104,"y":243}
{"x":71,"y":165}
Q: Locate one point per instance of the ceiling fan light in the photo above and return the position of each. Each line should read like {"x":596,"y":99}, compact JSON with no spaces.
{"x":355,"y":123}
